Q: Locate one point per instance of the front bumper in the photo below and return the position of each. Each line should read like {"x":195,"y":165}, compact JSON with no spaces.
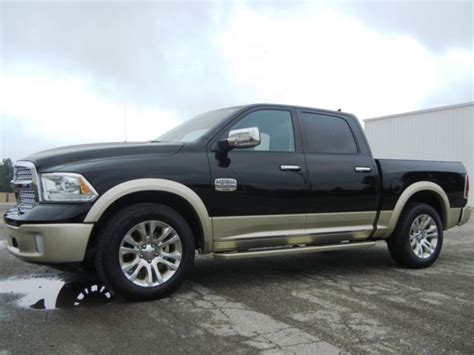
{"x":49,"y":243}
{"x":465,"y":215}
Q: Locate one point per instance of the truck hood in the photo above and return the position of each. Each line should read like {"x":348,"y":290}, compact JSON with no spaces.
{"x":53,"y":159}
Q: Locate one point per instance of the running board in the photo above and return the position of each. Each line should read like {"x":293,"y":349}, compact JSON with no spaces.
{"x":293,"y":250}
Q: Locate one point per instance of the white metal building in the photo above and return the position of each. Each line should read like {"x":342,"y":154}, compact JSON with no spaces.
{"x":442,"y":133}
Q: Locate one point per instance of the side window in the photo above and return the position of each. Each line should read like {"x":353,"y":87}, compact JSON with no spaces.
{"x":276,"y":130}
{"x":327,"y":134}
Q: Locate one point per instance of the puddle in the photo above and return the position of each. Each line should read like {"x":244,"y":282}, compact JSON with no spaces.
{"x":51,"y":293}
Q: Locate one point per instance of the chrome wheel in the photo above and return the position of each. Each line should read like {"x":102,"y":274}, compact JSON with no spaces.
{"x":150,"y":253}
{"x":423,"y":236}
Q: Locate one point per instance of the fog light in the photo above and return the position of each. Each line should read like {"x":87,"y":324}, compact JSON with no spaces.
{"x":39,"y":244}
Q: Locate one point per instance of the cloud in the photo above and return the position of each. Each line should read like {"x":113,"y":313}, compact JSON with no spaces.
{"x":70,"y":68}
{"x":455,"y":72}
{"x":318,"y":57}
{"x":42,"y":109}
{"x":439,"y":25}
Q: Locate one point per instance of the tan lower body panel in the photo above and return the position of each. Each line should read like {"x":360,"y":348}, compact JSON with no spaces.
{"x":49,"y":243}
{"x":386,"y":224}
{"x":383,"y":224}
{"x":243,"y":232}
{"x":454,"y":215}
{"x":465,"y":215}
{"x":360,"y":224}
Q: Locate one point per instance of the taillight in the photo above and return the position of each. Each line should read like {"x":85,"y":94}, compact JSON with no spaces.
{"x":466,"y":188}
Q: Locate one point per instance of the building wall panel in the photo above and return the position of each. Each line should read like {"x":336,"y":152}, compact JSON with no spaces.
{"x":445,"y":134}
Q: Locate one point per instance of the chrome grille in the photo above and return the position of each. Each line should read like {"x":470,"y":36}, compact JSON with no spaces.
{"x":24,"y":181}
{"x":22,"y":174}
{"x":26,"y":199}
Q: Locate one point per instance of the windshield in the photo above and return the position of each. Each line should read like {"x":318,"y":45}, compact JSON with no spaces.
{"x":193,"y":129}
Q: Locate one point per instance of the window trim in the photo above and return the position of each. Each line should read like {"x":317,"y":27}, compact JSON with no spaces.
{"x":300,"y":117}
{"x":297,"y":136}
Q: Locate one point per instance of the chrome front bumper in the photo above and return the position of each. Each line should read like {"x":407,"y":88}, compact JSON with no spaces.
{"x":49,"y":243}
{"x":465,"y":215}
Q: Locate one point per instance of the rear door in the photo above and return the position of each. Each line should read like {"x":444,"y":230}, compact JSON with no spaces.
{"x":343,"y":197}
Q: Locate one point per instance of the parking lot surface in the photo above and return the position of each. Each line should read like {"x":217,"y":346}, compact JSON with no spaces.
{"x":339,"y":302}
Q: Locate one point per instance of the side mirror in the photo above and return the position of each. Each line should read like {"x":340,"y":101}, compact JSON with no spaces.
{"x":241,"y":139}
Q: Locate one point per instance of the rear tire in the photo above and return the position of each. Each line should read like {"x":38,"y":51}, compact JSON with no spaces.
{"x":145,"y":251}
{"x":418,"y":237}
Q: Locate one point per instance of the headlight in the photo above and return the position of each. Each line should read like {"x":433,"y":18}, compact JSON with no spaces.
{"x":66,"y":187}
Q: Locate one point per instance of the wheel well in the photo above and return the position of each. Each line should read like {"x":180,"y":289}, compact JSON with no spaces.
{"x":432,"y":199}
{"x":171,"y":200}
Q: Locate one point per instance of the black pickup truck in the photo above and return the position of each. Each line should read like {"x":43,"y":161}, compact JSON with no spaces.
{"x":248,"y":181}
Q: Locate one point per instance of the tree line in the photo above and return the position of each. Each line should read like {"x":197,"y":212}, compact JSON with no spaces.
{"x":6,"y":175}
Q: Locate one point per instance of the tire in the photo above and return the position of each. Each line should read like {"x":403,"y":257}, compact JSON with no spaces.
{"x":145,"y":251}
{"x":407,"y":244}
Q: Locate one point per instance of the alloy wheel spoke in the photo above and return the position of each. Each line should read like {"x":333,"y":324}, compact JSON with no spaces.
{"x":432,"y":236}
{"x":128,"y":239}
{"x":151,"y":228}
{"x":164,"y":234}
{"x":418,"y":250}
{"x":426,"y":222}
{"x":416,"y":224}
{"x":157,"y":272}
{"x":169,"y":241}
{"x":141,"y":228}
{"x":424,"y":249}
{"x":426,"y":243}
{"x":149,"y":275}
{"x":174,"y":256}
{"x":170,"y":265}
{"x":126,"y":250}
{"x":128,"y":266}
{"x":432,"y":231}
{"x":134,"y":275}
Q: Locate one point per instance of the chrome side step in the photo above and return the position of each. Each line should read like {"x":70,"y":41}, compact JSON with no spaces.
{"x":293,"y":250}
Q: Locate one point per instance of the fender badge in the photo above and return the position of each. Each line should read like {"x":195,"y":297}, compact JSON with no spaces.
{"x":224,"y":184}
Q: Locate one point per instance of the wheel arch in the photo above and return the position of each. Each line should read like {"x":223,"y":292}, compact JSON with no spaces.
{"x":170,"y":193}
{"x":424,"y":192}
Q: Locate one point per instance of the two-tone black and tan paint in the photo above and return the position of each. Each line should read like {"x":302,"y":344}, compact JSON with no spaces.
{"x":326,"y":201}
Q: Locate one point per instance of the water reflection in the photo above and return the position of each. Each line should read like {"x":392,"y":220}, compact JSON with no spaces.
{"x":53,"y":293}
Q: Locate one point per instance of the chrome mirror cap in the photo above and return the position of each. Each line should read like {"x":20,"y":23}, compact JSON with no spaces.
{"x":244,"y":138}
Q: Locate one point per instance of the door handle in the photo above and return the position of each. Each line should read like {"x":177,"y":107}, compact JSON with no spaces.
{"x":290,"y":167}
{"x":362,"y":169}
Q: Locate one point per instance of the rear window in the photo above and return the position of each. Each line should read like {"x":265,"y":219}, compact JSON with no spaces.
{"x":327,"y":134}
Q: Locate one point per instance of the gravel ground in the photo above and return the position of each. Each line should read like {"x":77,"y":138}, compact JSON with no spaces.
{"x":347,"y":301}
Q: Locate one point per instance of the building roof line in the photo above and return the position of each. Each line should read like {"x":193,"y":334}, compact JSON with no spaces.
{"x":440,"y":108}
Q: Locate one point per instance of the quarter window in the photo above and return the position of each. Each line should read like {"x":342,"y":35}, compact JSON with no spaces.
{"x":327,"y":134}
{"x":276,"y":130}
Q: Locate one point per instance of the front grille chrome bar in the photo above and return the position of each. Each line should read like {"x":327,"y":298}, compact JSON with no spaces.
{"x":26,"y":185}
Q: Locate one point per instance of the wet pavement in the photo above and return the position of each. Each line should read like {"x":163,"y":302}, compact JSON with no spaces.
{"x":56,"y":292}
{"x":339,"y":302}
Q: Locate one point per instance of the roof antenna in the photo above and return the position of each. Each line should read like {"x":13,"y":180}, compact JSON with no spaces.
{"x":125,"y":123}
{"x":339,"y":110}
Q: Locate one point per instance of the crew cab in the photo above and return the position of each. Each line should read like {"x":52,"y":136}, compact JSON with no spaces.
{"x":240,"y":182}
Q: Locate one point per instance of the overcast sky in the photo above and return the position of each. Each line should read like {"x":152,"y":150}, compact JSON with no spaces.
{"x":71,"y":71}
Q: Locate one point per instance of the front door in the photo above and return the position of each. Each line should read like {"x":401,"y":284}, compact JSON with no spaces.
{"x":268,"y":183}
